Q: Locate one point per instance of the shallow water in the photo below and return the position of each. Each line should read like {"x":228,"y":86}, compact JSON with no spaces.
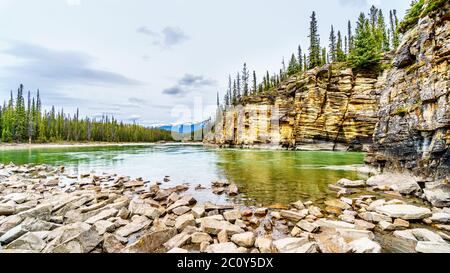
{"x":264,"y":177}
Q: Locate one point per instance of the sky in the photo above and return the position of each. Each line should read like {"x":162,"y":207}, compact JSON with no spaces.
{"x":154,"y":62}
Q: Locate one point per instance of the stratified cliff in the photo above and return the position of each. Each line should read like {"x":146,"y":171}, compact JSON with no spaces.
{"x":330,"y":108}
{"x":413,"y":132}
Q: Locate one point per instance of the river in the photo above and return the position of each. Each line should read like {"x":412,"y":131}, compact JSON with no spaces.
{"x":264,"y":177}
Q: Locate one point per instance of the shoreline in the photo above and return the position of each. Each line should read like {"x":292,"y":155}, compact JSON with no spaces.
{"x":26,"y":146}
{"x":111,"y":213}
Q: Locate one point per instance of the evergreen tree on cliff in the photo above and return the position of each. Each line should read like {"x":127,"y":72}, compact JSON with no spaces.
{"x":300,"y":58}
{"x":350,"y":37}
{"x":382,"y":32}
{"x":394,"y":28}
{"x":340,"y":54}
{"x":366,"y":53}
{"x":293,"y":66}
{"x":255,"y":83}
{"x":314,"y":46}
{"x":332,"y":52}
{"x":245,"y":79}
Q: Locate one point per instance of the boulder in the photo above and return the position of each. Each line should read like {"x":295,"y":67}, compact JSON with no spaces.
{"x":330,"y":224}
{"x":364,"y":245}
{"x":143,"y":208}
{"x":308,"y":226}
{"x":232,"y":215}
{"x":200,"y":237}
{"x":104,"y":226}
{"x":441,"y":217}
{"x":432,"y":247}
{"x":178,"y":240}
{"x":355,"y":234}
{"x":111,"y":244}
{"x":331,"y":243}
{"x":233,"y":190}
{"x":264,"y":244}
{"x":222,"y":248}
{"x":30,"y":241}
{"x":288,"y":244}
{"x":293,"y":215}
{"x":423,"y":234}
{"x":374,"y":217}
{"x":7,"y":209}
{"x":403,"y":183}
{"x":198,"y":211}
{"x":246,"y":239}
{"x":85,"y":242}
{"x":151,"y":242}
{"x":13,"y":234}
{"x":213,"y":226}
{"x":102,"y":215}
{"x":133,"y":226}
{"x":405,"y":212}
{"x":438,"y":194}
{"x":184,"y":220}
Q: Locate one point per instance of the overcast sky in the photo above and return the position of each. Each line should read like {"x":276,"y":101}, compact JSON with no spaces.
{"x":137,"y":59}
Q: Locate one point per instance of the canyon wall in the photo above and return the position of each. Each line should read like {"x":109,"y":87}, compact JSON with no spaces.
{"x":413,"y":132}
{"x":327,"y":108}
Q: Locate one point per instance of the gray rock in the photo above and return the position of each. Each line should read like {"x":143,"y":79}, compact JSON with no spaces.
{"x":29,"y":241}
{"x":83,"y":243}
{"x":246,"y":239}
{"x":405,"y":212}
{"x":374,"y":217}
{"x":102,"y":215}
{"x":184,"y":220}
{"x":364,"y":245}
{"x":134,"y":226}
{"x":104,"y":226}
{"x":151,"y":242}
{"x":7,"y":209}
{"x":288,"y":244}
{"x":307,"y":226}
{"x":222,"y":248}
{"x":212,"y":226}
{"x":293,"y":215}
{"x":403,"y":183}
{"x":232,"y":215}
{"x":13,"y":234}
{"x":198,"y":211}
{"x":142,"y":208}
{"x":432,"y":247}
{"x":111,"y":244}
{"x":178,"y":240}
{"x":440,"y":217}
{"x":264,"y":244}
{"x":438,"y":195}
{"x":423,"y":234}
{"x":177,"y":250}
{"x":200,"y":237}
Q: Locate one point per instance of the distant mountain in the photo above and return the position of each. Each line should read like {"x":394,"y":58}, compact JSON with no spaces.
{"x":185,"y":128}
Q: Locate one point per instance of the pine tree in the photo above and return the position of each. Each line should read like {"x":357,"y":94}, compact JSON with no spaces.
{"x":305,"y":63}
{"x":230,"y":90}
{"x":394,"y":28}
{"x":382,"y":32}
{"x":350,"y":37}
{"x":324,"y":56}
{"x":293,"y":66}
{"x":333,"y":50}
{"x":245,"y":79}
{"x":314,"y":48}
{"x":238,"y":87}
{"x":373,"y":16}
{"x":366,"y":53}
{"x":234,"y":98}
{"x":300,"y":58}
{"x":254,"y":83}
{"x":340,"y":54}
{"x":346,"y":45}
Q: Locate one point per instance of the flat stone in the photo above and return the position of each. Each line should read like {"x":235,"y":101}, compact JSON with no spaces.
{"x":222,"y":248}
{"x":364,"y":245}
{"x":288,"y":244}
{"x":142,"y":208}
{"x":104,"y":226}
{"x":213,"y":226}
{"x":7,"y":209}
{"x":355,"y":234}
{"x":405,"y":235}
{"x":246,"y":239}
{"x":308,"y":226}
{"x":111,"y":244}
{"x":337,"y":204}
{"x":346,"y":183}
{"x":306,"y":248}
{"x":85,"y":242}
{"x":103,"y":215}
{"x":264,"y":244}
{"x":374,"y":217}
{"x":133,"y":227}
{"x":298,"y":205}
{"x":178,"y":240}
{"x":198,"y":211}
{"x":405,"y":212}
{"x":361,"y":224}
{"x":12,"y":234}
{"x":292,"y":215}
{"x":151,"y":242}
{"x":232,"y":215}
{"x":331,"y":243}
{"x":440,"y":217}
{"x":423,"y":234}
{"x":400,"y":223}
{"x":177,"y":250}
{"x":403,"y":183}
{"x":42,"y":212}
{"x":184,"y":220}
{"x":181,"y":210}
{"x":200,"y":237}
{"x":324,"y":223}
{"x":29,"y":241}
{"x":432,"y":247}
{"x":386,"y":226}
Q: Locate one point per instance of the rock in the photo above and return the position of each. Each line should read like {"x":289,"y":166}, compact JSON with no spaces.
{"x":177,"y":250}
{"x":406,"y":235}
{"x":232,"y":215}
{"x":111,"y":244}
{"x":288,"y":244}
{"x":355,"y":234}
{"x":142,"y":208}
{"x":374,"y":217}
{"x":315,"y":211}
{"x":198,"y":211}
{"x":29,"y":241}
{"x":178,"y":240}
{"x":41,"y":212}
{"x":184,"y":220}
{"x":233,"y":190}
{"x":200,"y":237}
{"x":149,"y":243}
{"x":246,"y":239}
{"x":331,"y":243}
{"x":432,"y":247}
{"x":423,"y":234}
{"x":347,"y":218}
{"x":181,"y":210}
{"x":104,"y":226}
{"x":123,"y":213}
{"x":298,"y":205}
{"x":134,"y":226}
{"x":104,"y":214}
{"x":13,"y":234}
{"x":438,"y":194}
{"x":405,"y":212}
{"x":213,"y":226}
{"x":307,"y":226}
{"x":306,"y":248}
{"x":386,"y":226}
{"x":351,"y":184}
{"x":441,"y":217}
{"x":323,"y":223}
{"x":222,"y":248}
{"x":364,"y":245}
{"x":361,"y":224}
{"x":400,"y":223}
{"x":222,"y":237}
{"x":6,"y":209}
{"x":292,"y":215}
{"x":375,"y":204}
{"x":264,"y":244}
{"x":404,"y":57}
{"x":403,"y":183}
{"x":82,"y":243}
{"x":261,"y":212}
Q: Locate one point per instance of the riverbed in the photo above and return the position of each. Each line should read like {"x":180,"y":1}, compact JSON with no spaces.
{"x":264,"y":177}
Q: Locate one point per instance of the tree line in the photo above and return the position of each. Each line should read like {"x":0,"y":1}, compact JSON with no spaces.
{"x":22,"y":121}
{"x":361,"y":48}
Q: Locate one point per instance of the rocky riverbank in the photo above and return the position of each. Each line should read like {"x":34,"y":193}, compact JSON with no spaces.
{"x":46,"y":209}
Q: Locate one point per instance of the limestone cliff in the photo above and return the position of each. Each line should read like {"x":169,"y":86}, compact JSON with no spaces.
{"x":331,"y":108}
{"x":413,"y":132}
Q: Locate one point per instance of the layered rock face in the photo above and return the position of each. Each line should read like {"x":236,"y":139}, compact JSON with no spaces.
{"x":414,"y":119}
{"x":330,"y":108}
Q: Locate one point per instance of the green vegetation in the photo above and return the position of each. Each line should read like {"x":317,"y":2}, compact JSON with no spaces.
{"x":20,"y":123}
{"x":417,"y":10}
